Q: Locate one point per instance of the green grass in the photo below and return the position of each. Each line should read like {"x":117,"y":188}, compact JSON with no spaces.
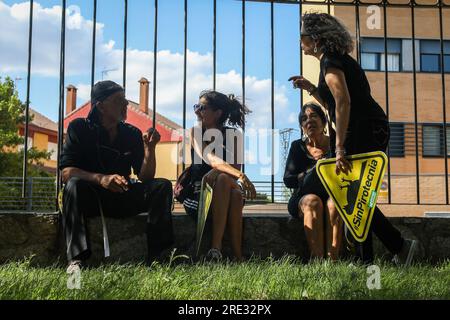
{"x":255,"y":279}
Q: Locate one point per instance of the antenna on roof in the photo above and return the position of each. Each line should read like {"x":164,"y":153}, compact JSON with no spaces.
{"x":106,"y":71}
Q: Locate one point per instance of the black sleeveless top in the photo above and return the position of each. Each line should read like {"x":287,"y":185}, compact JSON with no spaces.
{"x":199,"y":170}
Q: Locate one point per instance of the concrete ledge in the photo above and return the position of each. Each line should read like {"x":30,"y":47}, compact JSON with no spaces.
{"x":23,"y":235}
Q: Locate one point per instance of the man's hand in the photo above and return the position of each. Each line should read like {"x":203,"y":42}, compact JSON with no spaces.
{"x":151,"y":138}
{"x":114,"y":183}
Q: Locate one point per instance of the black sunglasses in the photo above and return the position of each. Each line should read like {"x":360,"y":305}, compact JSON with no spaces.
{"x":200,"y":107}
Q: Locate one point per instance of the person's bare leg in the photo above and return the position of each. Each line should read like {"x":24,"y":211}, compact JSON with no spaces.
{"x":219,"y":208}
{"x":334,"y":231}
{"x":235,"y":222}
{"x":312,"y":208}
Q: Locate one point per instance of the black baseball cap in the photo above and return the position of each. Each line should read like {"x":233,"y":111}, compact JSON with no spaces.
{"x":103,"y":89}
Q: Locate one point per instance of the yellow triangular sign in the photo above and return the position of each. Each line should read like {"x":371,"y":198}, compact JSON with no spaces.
{"x":355,"y":194}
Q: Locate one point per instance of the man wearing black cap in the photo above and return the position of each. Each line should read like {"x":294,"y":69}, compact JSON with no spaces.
{"x":98,"y":155}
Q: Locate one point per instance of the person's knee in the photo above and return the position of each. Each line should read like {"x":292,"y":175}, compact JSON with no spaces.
{"x":74,"y":185}
{"x":311,"y":202}
{"x":224,"y":179}
{"x":164,"y":185}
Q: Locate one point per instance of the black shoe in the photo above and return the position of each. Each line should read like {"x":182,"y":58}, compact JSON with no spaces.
{"x":213,"y":255}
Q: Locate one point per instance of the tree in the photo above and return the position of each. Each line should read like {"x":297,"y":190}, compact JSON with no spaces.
{"x":12,"y":114}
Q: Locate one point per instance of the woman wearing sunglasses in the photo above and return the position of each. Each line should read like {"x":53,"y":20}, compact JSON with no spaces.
{"x":215,"y":154}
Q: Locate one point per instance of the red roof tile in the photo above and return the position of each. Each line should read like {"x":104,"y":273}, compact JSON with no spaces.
{"x":137,"y":118}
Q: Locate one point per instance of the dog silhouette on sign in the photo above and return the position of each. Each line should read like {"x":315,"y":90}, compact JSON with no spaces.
{"x":352,"y":190}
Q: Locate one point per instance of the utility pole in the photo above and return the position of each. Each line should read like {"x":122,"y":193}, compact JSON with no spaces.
{"x":285,"y":135}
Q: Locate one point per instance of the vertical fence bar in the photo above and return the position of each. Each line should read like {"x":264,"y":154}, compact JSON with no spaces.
{"x":30,"y":194}
{"x":444,"y":112}
{"x":386,"y":87}
{"x":358,"y":32}
{"x":155,"y":54}
{"x":184,"y":82}
{"x":243,"y":78}
{"x":272,"y":98}
{"x":94,"y":34}
{"x":214,"y":43}
{"x":413,"y":34}
{"x":125,"y":29}
{"x":300,"y":12}
{"x":328,"y":6}
{"x":27,"y":106}
{"x":61,"y":99}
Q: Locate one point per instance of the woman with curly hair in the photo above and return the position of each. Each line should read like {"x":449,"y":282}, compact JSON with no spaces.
{"x":360,"y":123}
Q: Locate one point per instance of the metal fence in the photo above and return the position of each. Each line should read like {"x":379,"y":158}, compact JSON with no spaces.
{"x":40,"y":196}
{"x":413,"y":5}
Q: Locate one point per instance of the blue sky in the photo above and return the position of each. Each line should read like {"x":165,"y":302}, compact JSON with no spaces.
{"x":45,"y":63}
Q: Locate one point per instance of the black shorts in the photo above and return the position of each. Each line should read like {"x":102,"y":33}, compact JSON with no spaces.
{"x":296,"y":197}
{"x":311,"y":185}
{"x":190,"y":204}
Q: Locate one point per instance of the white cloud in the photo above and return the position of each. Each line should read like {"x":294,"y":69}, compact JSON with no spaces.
{"x":46,"y":47}
{"x":293,"y":118}
{"x":84,"y":91}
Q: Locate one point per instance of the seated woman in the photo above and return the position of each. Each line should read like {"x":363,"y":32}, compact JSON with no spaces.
{"x":310,"y":198}
{"x":214,"y":154}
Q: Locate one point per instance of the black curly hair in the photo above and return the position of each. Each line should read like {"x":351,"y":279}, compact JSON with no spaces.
{"x":332,"y":34}
{"x":233,"y":110}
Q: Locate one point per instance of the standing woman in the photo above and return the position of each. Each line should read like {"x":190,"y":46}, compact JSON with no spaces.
{"x":214,"y":152}
{"x":361,"y":124}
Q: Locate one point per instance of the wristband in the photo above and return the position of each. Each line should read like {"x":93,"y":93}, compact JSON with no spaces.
{"x":312,"y":91}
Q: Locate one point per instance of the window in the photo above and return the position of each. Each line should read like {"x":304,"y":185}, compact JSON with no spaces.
{"x":430,"y":56}
{"x":372,"y":54}
{"x":397,"y":140}
{"x":432,"y":141}
{"x":393,"y":61}
{"x":430,"y":62}
{"x":369,"y":61}
{"x":447,"y":63}
{"x":448,"y":139}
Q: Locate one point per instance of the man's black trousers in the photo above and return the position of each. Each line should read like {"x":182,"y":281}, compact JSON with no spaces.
{"x":81,"y":200}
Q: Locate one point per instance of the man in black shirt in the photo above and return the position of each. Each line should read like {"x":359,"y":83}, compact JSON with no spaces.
{"x":96,"y":162}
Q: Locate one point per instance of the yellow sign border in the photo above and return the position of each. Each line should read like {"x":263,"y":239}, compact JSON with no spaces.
{"x":361,"y":156}
{"x":204,"y":203}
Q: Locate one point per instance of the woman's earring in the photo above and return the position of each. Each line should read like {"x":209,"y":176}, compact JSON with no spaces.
{"x":315,"y":48}
{"x":304,"y":137}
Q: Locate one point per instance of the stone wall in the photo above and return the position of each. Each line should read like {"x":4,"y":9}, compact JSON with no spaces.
{"x":24,"y":235}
